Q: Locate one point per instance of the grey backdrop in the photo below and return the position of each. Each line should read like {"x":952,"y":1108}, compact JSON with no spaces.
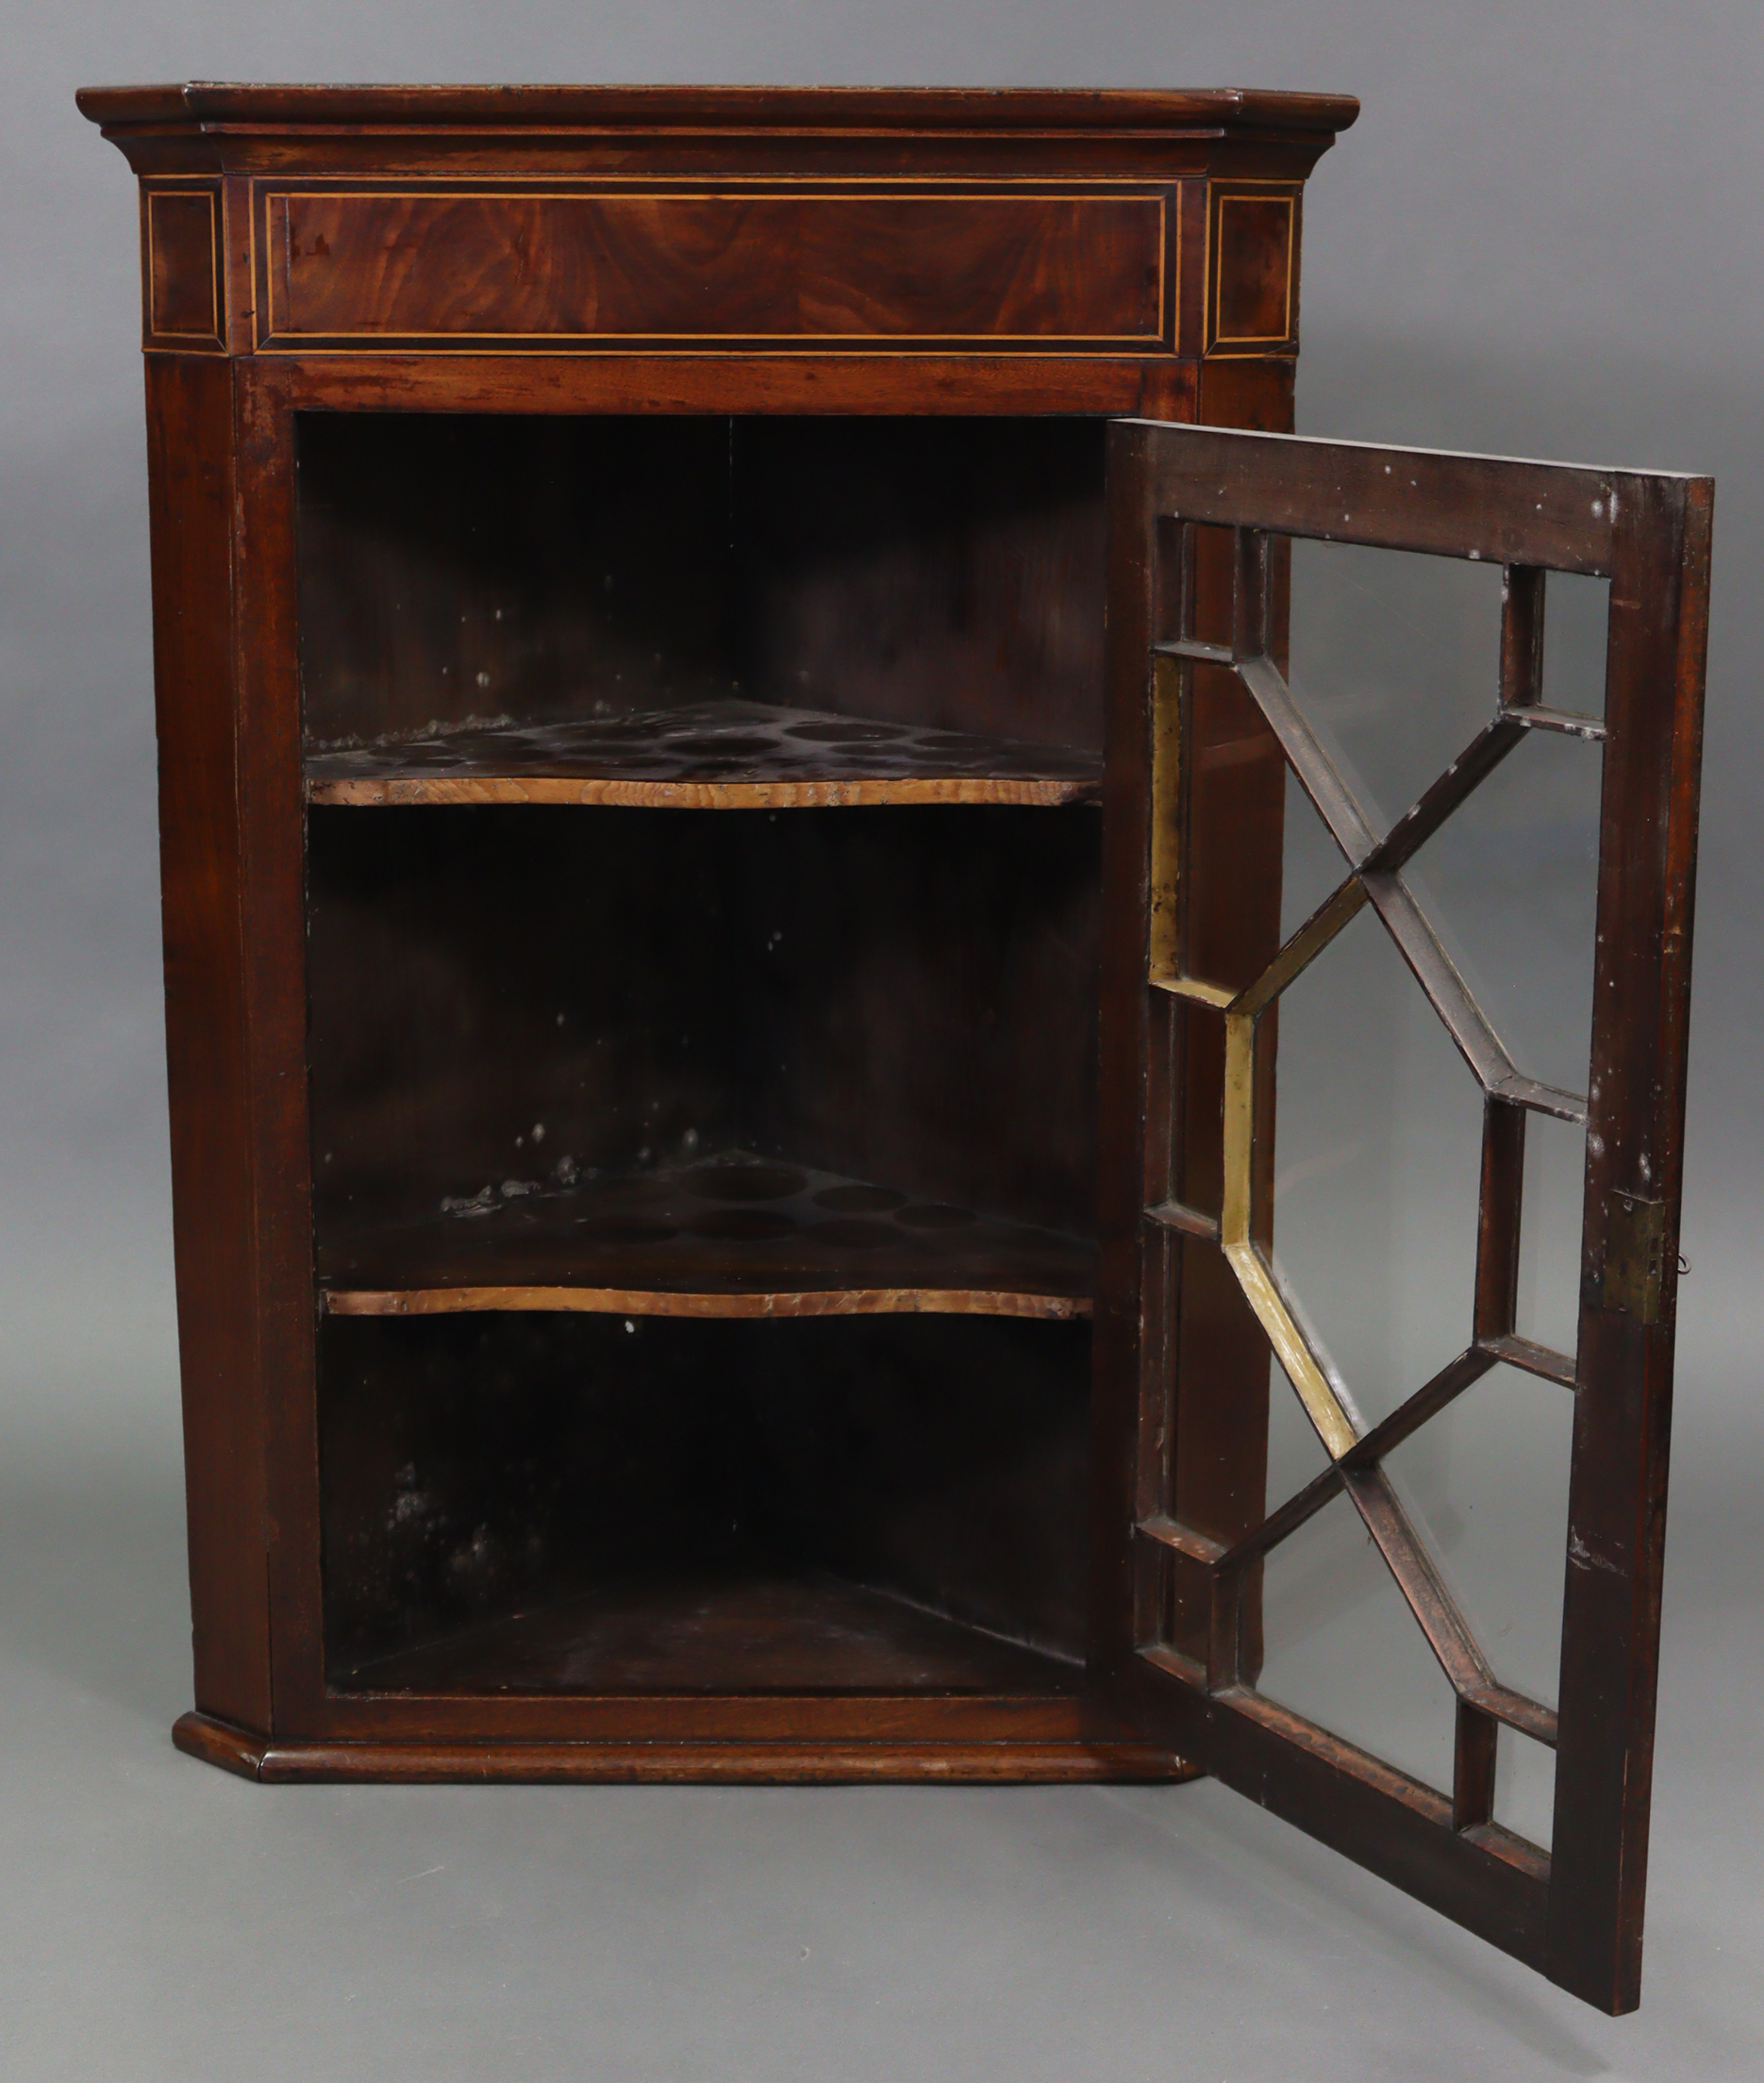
{"x":1543,"y":237}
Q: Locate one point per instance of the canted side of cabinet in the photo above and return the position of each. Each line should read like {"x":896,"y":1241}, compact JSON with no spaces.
{"x":628,"y":581}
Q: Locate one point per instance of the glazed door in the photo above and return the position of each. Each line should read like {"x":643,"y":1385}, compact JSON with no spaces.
{"x":1197,"y":1325}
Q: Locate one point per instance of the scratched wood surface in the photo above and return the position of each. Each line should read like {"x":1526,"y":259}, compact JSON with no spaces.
{"x":727,"y":754}
{"x":763,"y":1632}
{"x":734,"y":1235}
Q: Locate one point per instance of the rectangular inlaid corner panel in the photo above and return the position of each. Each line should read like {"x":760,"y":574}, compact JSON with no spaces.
{"x":180,"y":267}
{"x":1252,"y":288}
{"x":350,"y":267}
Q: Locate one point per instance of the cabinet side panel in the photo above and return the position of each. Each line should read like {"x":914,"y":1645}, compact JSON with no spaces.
{"x":191,"y":477}
{"x":273,"y":848}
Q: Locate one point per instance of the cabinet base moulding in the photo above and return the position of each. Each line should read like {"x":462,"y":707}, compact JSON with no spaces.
{"x":292,"y":1759}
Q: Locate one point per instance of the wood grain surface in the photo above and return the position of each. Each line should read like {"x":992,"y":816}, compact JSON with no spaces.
{"x":349,"y":266}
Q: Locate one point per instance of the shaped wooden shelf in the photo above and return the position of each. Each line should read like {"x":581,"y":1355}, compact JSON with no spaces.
{"x":721,"y":754}
{"x":734,"y":1235}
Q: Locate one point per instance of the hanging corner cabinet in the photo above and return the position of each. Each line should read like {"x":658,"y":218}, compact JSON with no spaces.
{"x":721,"y":849}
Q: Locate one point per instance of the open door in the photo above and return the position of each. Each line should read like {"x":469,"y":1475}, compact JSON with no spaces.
{"x":1204,"y":731}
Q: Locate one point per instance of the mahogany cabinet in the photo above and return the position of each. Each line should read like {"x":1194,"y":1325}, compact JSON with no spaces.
{"x":721,"y":849}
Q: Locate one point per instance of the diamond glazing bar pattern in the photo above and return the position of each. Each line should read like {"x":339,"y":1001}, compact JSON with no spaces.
{"x":1576,"y":1910}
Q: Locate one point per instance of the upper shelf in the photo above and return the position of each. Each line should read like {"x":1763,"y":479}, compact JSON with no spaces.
{"x":725,"y":755}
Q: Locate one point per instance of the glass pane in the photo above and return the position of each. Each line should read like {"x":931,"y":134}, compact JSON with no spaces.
{"x":1524,"y":1787}
{"x":1549,"y":1235}
{"x":1377,"y":1163}
{"x":1396,"y":662}
{"x":1511,"y":883}
{"x":1576,"y":612}
{"x":1486,"y":1483}
{"x":1343,"y":1649}
{"x":1312,"y":866}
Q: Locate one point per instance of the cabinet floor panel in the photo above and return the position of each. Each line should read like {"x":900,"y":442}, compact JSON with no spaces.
{"x":732,"y":1235}
{"x":725,"y":755}
{"x":758,"y":1633}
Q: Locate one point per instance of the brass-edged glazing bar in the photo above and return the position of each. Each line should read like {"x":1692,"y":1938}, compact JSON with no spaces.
{"x":1161,"y":1274}
{"x":1237,"y":1229}
{"x":1239,"y":1128}
{"x":1315,"y":1390}
{"x":1433,"y":969}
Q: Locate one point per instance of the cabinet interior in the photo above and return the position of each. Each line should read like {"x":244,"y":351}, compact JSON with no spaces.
{"x":703,"y":877}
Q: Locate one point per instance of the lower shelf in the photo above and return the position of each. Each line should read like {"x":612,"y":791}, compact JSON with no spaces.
{"x":756,"y":1634}
{"x":733,"y":1235}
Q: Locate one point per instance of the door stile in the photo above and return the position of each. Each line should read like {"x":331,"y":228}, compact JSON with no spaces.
{"x":1125,"y":1582}
{"x":1635,"y":1152}
{"x":1168,"y":1309}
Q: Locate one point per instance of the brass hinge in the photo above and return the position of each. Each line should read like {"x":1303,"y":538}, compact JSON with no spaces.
{"x":1635,"y":1254}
